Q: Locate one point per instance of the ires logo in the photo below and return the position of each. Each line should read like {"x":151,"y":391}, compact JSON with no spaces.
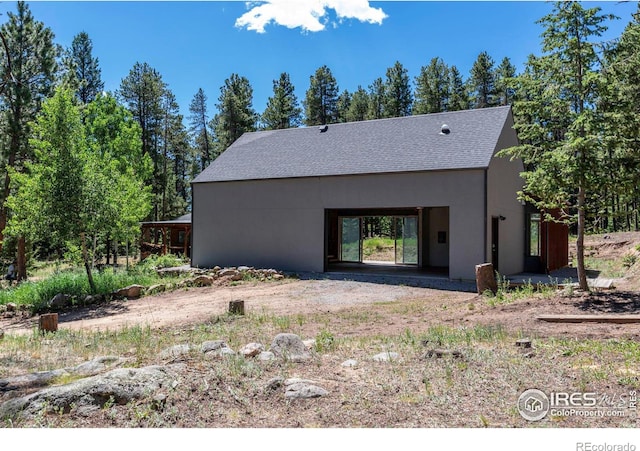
{"x":562,"y":399}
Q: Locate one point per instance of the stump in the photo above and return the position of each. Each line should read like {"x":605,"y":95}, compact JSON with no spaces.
{"x":48,"y":322}
{"x":236,"y":307}
{"x":523,"y":343}
{"x":486,"y":278}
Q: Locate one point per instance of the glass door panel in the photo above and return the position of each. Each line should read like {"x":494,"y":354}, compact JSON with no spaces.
{"x":406,"y":240}
{"x":350,"y":242}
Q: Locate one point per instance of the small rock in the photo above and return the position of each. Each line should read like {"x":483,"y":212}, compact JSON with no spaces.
{"x":266,"y":356}
{"x":12,"y":307}
{"x":274,"y":384}
{"x":214,"y":345}
{"x":175,"y":351}
{"x":304,"y":391}
{"x":157,"y":288}
{"x":203,"y":281}
{"x":439,"y":353}
{"x":523,"y":343}
{"x":386,"y":357}
{"x":244,"y":268}
{"x":277,"y":277}
{"x":349,"y":363}
{"x":60,"y":301}
{"x":289,"y":347}
{"x":9,"y":314}
{"x":216,"y":268}
{"x":228,"y":272}
{"x":309,"y":344}
{"x":252,"y":349}
{"x":158,"y":402}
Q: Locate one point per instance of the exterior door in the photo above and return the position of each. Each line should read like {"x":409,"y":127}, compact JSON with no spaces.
{"x":495,"y":241}
{"x":406,"y":240}
{"x":350,"y":239}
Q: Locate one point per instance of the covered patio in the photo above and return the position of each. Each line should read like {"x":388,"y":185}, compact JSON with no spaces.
{"x":162,"y":237}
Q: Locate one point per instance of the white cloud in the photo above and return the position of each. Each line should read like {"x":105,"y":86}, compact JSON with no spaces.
{"x":310,"y":15}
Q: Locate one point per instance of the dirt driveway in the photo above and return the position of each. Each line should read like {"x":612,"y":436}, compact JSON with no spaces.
{"x":385,"y":309}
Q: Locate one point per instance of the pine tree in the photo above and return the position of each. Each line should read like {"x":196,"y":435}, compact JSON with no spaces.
{"x":504,"y":80}
{"x":432,"y":88}
{"x":482,"y":83}
{"x":359,"y":107}
{"x":343,"y":105}
{"x":397,"y":92}
{"x":33,"y":67}
{"x":376,"y":99}
{"x":282,"y":110}
{"x":142,"y":91}
{"x":199,"y":121}
{"x":562,"y":132}
{"x":235,"y":111}
{"x":82,"y":71}
{"x":320,"y":104}
{"x":458,"y":95}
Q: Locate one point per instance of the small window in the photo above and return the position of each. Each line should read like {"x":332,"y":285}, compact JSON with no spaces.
{"x":534,"y":234}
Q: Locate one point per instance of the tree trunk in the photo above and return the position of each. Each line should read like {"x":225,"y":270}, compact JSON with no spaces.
{"x":582,"y":273}
{"x":22,"y":259}
{"x":87,"y":267}
{"x":48,"y":322}
{"x":486,"y":278}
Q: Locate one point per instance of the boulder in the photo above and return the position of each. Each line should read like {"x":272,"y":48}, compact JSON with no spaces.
{"x":290,"y":347}
{"x":11,"y":307}
{"x":60,"y":301}
{"x":203,"y":281}
{"x":349,"y":363}
{"x":157,"y":288}
{"x":130,"y":292}
{"x":252,"y":349}
{"x":121,"y":386}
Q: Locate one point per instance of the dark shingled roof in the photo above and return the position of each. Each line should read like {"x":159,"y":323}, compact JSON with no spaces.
{"x":404,"y":144}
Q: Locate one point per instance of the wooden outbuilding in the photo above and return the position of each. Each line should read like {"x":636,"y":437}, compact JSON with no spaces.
{"x":162,"y":237}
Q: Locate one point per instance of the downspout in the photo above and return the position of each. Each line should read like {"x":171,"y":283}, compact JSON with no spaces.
{"x":486,"y":208}
{"x":192,"y":224}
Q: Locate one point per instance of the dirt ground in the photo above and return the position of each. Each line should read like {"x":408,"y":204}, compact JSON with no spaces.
{"x":291,"y":296}
{"x":479,"y":390}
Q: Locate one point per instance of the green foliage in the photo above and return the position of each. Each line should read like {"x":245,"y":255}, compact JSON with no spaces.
{"x":282,"y":110}
{"x":71,"y":282}
{"x":325,"y":341}
{"x":629,"y":260}
{"x":320,"y":103}
{"x":82,"y":72}
{"x":398,"y":99}
{"x":432,"y":88}
{"x":235,"y":111}
{"x":482,"y":82}
{"x":155,"y":262}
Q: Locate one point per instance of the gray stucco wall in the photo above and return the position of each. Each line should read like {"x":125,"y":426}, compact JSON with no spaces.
{"x":504,"y":181}
{"x":280,"y":223}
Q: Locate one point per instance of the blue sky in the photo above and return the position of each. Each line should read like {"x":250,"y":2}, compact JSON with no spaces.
{"x":200,"y":44}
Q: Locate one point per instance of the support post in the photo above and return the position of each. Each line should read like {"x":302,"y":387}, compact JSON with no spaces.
{"x":48,"y":322}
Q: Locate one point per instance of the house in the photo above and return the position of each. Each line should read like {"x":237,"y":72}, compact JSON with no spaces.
{"x":162,"y":237}
{"x":296,"y":199}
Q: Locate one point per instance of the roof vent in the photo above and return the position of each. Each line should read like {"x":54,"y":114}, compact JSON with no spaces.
{"x":324,"y":128}
{"x":444,"y":130}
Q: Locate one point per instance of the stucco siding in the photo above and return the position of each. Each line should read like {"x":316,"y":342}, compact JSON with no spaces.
{"x":504,"y":182}
{"x":280,"y":223}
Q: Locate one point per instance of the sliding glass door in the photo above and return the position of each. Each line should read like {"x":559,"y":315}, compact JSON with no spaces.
{"x":350,"y":239}
{"x":406,"y":240}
